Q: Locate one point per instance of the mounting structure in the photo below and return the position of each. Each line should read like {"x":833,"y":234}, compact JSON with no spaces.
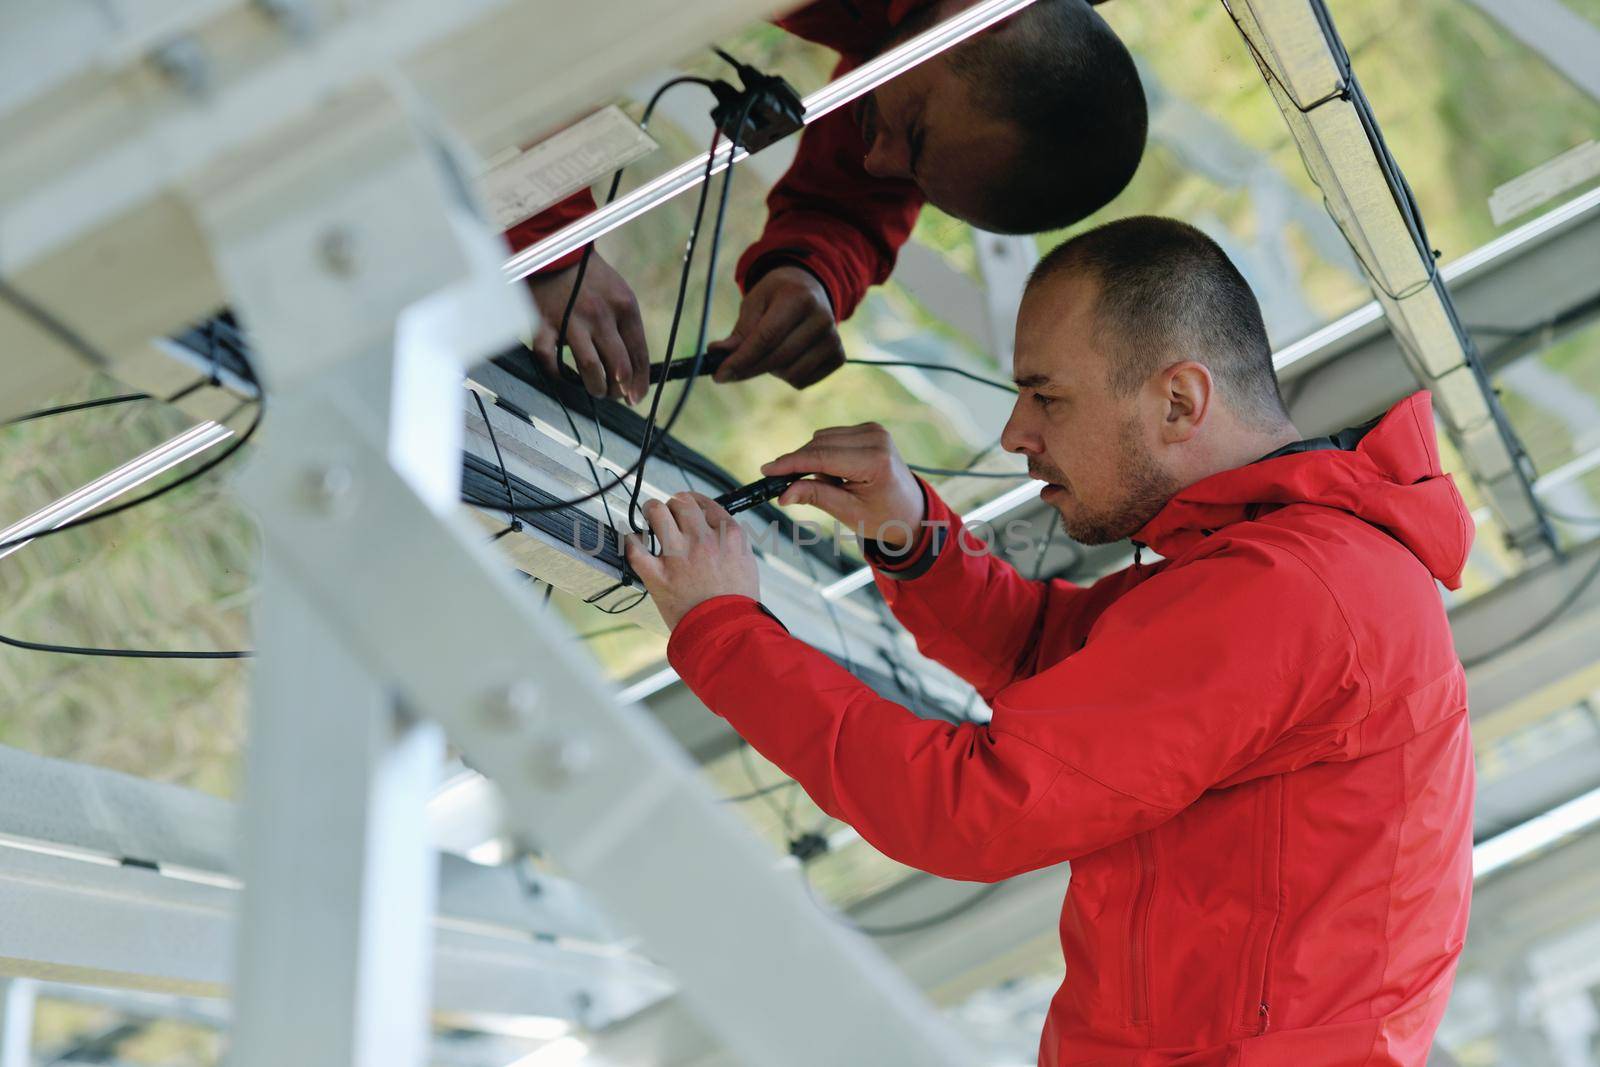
{"x":317,"y":189}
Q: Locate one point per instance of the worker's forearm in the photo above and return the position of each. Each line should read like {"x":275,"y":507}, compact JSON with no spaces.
{"x":966,"y":608}
{"x":930,"y":794}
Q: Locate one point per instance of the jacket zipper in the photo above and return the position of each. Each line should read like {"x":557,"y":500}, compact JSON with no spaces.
{"x":1264,"y":992}
{"x":1263,"y":1009}
{"x":1138,"y":996}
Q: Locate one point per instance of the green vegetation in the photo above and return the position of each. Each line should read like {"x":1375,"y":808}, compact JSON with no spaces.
{"x":174,"y":574}
{"x":1589,"y":9}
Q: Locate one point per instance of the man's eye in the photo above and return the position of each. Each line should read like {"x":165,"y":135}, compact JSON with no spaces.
{"x":1043,"y":401}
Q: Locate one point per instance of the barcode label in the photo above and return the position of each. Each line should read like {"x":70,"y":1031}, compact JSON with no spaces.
{"x":559,"y":166}
{"x":1544,"y":182}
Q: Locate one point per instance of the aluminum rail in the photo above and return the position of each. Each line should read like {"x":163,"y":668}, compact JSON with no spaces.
{"x":113,"y":484}
{"x":692,"y":172}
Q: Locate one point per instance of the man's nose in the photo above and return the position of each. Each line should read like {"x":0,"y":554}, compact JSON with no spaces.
{"x":1016,"y":437}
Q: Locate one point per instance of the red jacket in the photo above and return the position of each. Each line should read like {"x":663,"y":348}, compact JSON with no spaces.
{"x":826,"y":213}
{"x":1254,"y":752}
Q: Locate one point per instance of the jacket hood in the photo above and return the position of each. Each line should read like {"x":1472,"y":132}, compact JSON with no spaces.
{"x":1391,"y":478}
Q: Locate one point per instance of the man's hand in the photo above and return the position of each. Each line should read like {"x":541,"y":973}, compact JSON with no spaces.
{"x":703,"y":554}
{"x":869,"y":486}
{"x":606,"y":334}
{"x":785,"y":328}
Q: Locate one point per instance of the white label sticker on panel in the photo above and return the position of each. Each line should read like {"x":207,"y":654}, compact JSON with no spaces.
{"x":559,"y":166}
{"x":1544,"y":182}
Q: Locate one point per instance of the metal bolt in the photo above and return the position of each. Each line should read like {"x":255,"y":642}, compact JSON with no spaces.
{"x":328,"y":488}
{"x":337,"y":249}
{"x":184,"y":62}
{"x":558,"y":760}
{"x":583,"y":1008}
{"x":516,"y":705}
{"x":292,"y":15}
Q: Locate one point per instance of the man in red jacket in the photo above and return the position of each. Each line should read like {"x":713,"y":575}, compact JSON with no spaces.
{"x":1254,"y":751}
{"x":1027,"y":127}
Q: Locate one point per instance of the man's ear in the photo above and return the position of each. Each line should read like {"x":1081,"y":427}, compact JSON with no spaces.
{"x":1188,"y":391}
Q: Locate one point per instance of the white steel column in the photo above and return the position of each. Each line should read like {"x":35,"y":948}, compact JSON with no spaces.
{"x":342,"y":240}
{"x":335,"y":940}
{"x":17,"y":997}
{"x":334,"y":943}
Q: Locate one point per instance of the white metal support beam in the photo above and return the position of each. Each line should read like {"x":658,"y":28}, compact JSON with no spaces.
{"x":599,"y":788}
{"x":1491,"y":628}
{"x":1353,"y":368}
{"x":1556,"y":33}
{"x":1307,"y":70}
{"x":941,"y":960}
{"x":72,"y":919}
{"x":17,"y":996}
{"x":339,"y":874}
{"x":593,"y":784}
{"x":102,"y":138}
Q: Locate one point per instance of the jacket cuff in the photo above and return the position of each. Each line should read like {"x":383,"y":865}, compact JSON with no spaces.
{"x":843,"y":293}
{"x":698,"y":629}
{"x":938,"y":524}
{"x":767,"y":262}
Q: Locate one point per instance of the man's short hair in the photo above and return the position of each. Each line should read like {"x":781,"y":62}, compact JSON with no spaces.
{"x":1064,"y":78}
{"x":1167,"y":292}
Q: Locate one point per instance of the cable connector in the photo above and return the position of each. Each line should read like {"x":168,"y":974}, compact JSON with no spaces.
{"x":775,"y":109}
{"x":680,"y":368}
{"x":757,"y":492}
{"x":808,"y":846}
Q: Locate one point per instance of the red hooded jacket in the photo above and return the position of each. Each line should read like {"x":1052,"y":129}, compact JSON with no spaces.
{"x":1254,"y":752}
{"x":826,"y":214}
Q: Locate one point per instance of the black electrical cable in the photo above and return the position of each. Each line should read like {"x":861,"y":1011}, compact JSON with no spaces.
{"x":993,"y":383}
{"x":766,"y":790}
{"x":699,"y":349}
{"x":1573,"y":520}
{"x":119,"y":653}
{"x":1349,"y":91}
{"x":635,"y":602}
{"x":73,"y":340}
{"x":145,"y":498}
{"x":121,"y":398}
{"x":52,"y":325}
{"x":1549,"y":619}
{"x":763,"y":793}
{"x":928,"y":922}
{"x":605,"y":631}
{"x":82,"y":405}
{"x":653,"y":439}
{"x":515,"y":523}
{"x":131,"y":653}
{"x":577,"y":288}
{"x":1404,"y":197}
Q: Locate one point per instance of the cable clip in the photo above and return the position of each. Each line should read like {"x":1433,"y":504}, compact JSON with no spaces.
{"x":808,"y":846}
{"x":775,"y":109}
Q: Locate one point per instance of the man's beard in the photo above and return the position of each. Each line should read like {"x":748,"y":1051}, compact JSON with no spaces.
{"x":1147,"y":488}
